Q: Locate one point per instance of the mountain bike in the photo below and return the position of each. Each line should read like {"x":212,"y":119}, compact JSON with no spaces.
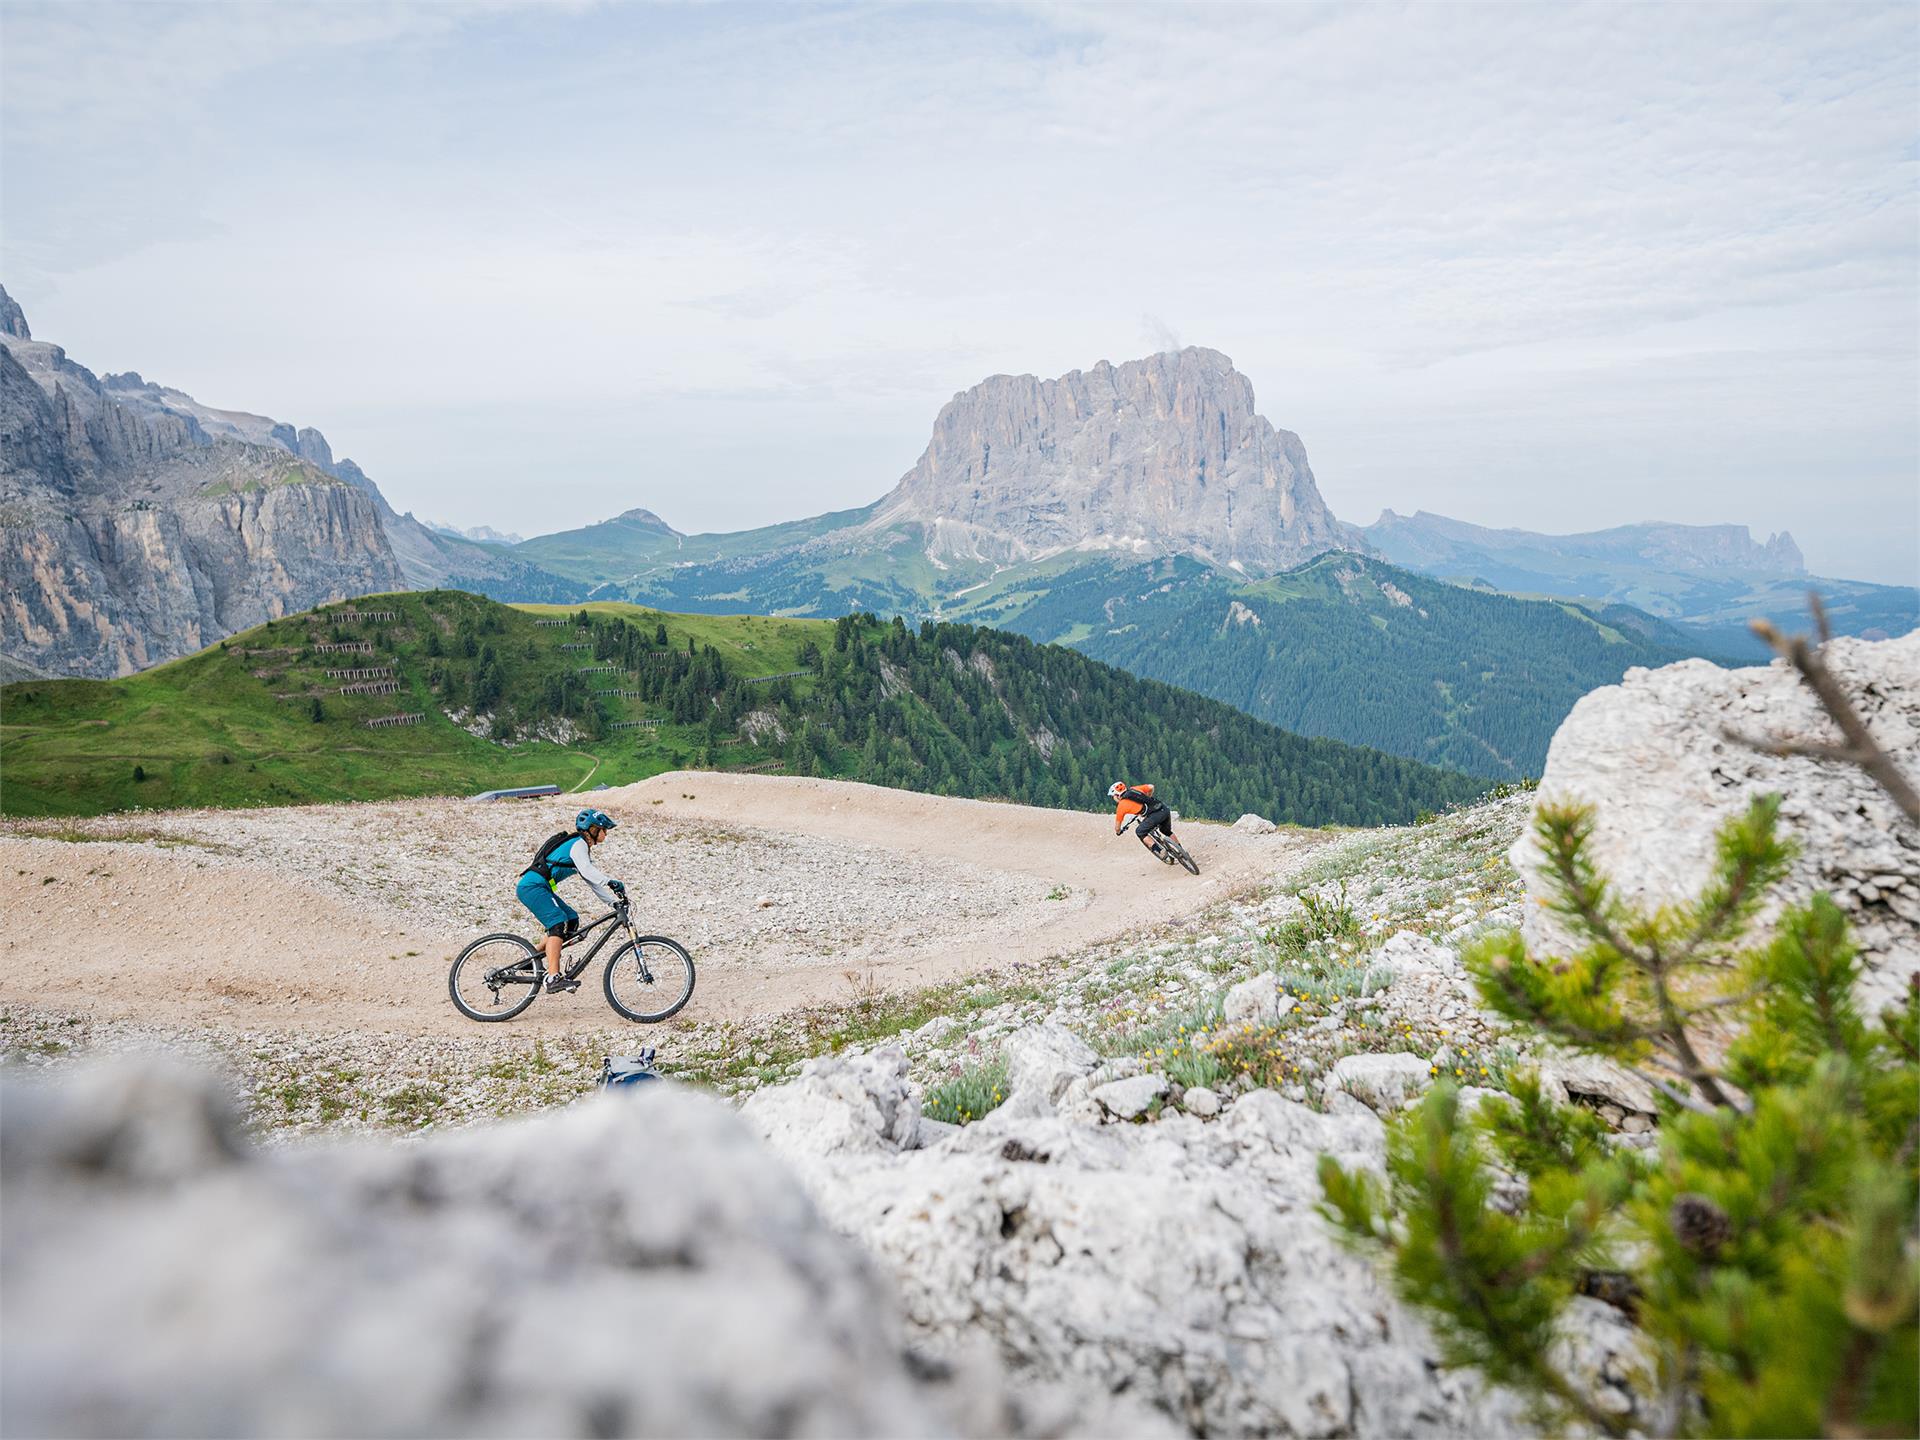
{"x":648,"y":977}
{"x":1166,"y":849}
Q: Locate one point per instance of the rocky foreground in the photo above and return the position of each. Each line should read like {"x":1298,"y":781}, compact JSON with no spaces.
{"x":1081,"y":1200}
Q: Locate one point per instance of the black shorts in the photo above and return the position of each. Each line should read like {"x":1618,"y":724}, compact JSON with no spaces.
{"x":1158,"y":818}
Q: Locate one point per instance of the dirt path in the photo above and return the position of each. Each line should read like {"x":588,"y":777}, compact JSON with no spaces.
{"x":343,"y":917}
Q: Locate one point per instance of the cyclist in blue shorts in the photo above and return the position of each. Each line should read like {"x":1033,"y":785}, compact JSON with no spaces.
{"x":560,"y":857}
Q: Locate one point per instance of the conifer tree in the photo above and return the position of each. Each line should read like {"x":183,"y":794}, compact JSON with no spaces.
{"x":1767,"y":1250}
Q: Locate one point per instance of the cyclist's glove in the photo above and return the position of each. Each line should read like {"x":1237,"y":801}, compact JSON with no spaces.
{"x":617,"y":888}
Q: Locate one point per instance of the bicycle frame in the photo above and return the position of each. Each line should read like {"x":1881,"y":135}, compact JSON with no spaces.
{"x":572,"y":972}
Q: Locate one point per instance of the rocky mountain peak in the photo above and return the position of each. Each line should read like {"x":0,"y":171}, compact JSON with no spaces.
{"x":1164,"y":455}
{"x":13,"y":320}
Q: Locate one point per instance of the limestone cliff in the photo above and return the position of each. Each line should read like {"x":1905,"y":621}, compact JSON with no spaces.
{"x":130,"y":535}
{"x":1156,"y":456}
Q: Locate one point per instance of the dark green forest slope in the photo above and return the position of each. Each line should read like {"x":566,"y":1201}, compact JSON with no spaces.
{"x":1350,"y":647}
{"x":496,"y":696}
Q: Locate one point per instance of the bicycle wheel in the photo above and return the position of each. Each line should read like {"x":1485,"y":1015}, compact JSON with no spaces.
{"x":1180,"y":854}
{"x":649,"y":979}
{"x":494,"y":978}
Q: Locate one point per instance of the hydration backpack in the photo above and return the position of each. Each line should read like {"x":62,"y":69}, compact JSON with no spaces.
{"x":1140,"y":797}
{"x":542,"y":858}
{"x":621,"y":1071}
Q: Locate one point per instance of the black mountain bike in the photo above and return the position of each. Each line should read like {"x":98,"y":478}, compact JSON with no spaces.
{"x":648,"y":977}
{"x":1168,"y":850}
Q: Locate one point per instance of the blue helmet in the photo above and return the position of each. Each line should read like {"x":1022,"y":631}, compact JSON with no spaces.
{"x":587,"y":819}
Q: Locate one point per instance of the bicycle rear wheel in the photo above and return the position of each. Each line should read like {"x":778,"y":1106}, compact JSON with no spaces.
{"x":1180,"y":853}
{"x":649,"y":979}
{"x":494,"y":978}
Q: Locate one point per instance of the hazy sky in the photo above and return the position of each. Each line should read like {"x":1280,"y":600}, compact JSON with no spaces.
{"x":1545,"y":266}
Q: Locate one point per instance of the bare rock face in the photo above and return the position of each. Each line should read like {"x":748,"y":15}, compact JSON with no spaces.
{"x":1165,"y":455}
{"x":132,"y":534}
{"x":634,"y":1265}
{"x":1650,"y":756}
{"x":1179,"y":1262}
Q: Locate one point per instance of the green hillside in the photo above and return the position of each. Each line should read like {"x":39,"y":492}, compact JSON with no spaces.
{"x":258,"y":719}
{"x":638,"y":544}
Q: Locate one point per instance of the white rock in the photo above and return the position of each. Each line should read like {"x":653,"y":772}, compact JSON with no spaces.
{"x":1181,"y":1263}
{"x":1649,"y":755}
{"x":1256,"y":1001}
{"x":1128,"y":1099}
{"x":1201,"y":1101}
{"x":1564,"y":1075}
{"x":381,"y":1288}
{"x":1255,"y":825}
{"x":1042,"y":1060}
{"x":1383,"y":1083}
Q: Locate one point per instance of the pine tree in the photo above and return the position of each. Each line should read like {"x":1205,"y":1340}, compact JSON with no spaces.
{"x":1768,"y":1249}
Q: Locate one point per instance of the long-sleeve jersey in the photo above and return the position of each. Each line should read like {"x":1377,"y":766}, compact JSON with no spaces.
{"x":579,"y":855}
{"x":1125,"y":807}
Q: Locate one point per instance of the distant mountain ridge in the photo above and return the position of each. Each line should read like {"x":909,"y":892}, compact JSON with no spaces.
{"x":1697,"y":549}
{"x":1709,"y":579}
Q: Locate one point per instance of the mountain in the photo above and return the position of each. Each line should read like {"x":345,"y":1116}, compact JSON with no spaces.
{"x":428,"y":557}
{"x":137,"y":524}
{"x":1710,"y":580}
{"x":1161,"y":456}
{"x":508,"y":696}
{"x":129,"y":535}
{"x":1124,"y":511}
{"x":482,"y":534}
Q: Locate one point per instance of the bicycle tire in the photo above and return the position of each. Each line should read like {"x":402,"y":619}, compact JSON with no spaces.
{"x":675,"y":955}
{"x":498,"y":1011}
{"x":1187,"y":861}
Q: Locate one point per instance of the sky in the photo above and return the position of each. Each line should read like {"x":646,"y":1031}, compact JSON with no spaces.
{"x":1554,"y":267}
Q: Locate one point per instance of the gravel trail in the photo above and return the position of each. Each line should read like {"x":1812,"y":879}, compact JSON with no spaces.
{"x":343,"y":918}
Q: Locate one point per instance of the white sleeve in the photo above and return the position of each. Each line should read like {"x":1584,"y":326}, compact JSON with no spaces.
{"x":595,"y":877}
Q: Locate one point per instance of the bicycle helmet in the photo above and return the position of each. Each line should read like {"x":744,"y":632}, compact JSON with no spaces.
{"x":587,"y":819}
{"x":1115,"y":790}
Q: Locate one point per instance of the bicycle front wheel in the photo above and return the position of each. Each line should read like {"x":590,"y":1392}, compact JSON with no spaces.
{"x":494,"y":978}
{"x":649,"y":979}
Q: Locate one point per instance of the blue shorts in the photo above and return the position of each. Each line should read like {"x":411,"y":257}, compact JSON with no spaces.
{"x":553,"y":913}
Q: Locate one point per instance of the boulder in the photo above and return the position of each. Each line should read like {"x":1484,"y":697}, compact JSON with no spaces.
{"x":1383,"y":1083}
{"x":1180,"y":1263}
{"x":1652,"y":757}
{"x":635,"y":1264}
{"x":1202,"y":1101}
{"x":1129,"y":1099}
{"x":1256,"y":1001}
{"x":854,"y":1103}
{"x":1253,"y":824}
{"x":1595,"y":1077}
{"x":1042,"y":1060}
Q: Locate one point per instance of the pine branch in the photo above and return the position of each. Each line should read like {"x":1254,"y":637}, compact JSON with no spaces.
{"x":1473,"y":1296}
{"x":1860,"y":748}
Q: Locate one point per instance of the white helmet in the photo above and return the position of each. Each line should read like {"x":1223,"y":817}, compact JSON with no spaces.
{"x":1116,"y":790}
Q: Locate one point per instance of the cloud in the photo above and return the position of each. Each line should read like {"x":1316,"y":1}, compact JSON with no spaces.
{"x":1161,"y":336}
{"x":1528,"y":230}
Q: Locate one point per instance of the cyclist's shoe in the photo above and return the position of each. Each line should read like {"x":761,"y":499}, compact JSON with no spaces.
{"x":558,"y":983}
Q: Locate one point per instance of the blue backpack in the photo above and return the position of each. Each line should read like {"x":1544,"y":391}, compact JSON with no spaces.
{"x":621,"y":1071}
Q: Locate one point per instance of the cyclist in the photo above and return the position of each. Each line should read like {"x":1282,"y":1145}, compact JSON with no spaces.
{"x":560,"y":857}
{"x":1153,"y":812}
